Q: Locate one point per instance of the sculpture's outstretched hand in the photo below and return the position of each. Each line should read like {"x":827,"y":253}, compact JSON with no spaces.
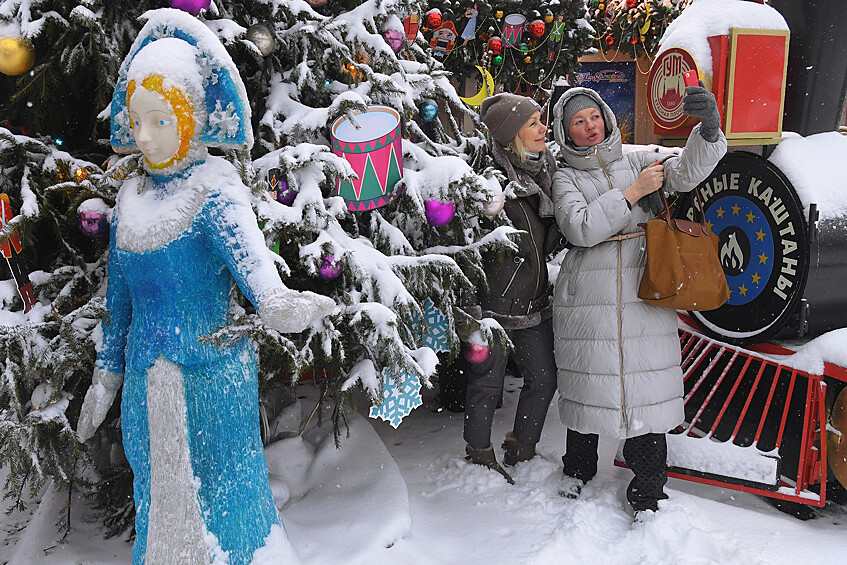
{"x":291,"y":311}
{"x":99,"y":398}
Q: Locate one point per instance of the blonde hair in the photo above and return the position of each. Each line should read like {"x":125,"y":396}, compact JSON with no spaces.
{"x":182,"y":108}
{"x":516,"y":146}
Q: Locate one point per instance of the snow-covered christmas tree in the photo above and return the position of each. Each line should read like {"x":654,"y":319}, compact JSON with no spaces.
{"x":343,"y":100}
{"x":523,"y":44}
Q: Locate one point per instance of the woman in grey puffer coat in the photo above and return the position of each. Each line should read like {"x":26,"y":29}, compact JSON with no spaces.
{"x":618,"y":358}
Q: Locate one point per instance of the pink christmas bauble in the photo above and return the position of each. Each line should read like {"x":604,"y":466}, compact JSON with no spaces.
{"x":395,"y":39}
{"x":439,"y":213}
{"x":316,"y":3}
{"x":94,"y":223}
{"x":329,"y":269}
{"x":193,"y":7}
{"x":476,"y":353}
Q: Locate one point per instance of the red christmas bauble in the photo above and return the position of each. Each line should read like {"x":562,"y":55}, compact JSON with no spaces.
{"x":495,"y":45}
{"x":631,"y":3}
{"x":433,"y":19}
{"x":610,"y":40}
{"x":536,"y":28}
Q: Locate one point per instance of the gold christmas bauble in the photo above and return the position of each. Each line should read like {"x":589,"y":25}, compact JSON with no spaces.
{"x":17,"y":56}
{"x":498,"y":14}
{"x":548,"y":18}
{"x":527,"y":59}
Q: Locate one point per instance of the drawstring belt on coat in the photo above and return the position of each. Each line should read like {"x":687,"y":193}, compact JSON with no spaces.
{"x":624,"y":236}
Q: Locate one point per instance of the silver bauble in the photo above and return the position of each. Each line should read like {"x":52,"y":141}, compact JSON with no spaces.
{"x":260,"y":36}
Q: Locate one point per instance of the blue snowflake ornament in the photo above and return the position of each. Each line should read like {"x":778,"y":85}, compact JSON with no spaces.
{"x":435,"y":332}
{"x":397,"y":403}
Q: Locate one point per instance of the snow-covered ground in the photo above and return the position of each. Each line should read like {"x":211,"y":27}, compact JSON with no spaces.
{"x":406,"y":496}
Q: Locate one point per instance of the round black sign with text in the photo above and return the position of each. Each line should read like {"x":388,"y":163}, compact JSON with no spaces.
{"x":763,"y":247}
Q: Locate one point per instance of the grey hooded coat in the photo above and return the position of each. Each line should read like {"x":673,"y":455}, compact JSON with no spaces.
{"x":618,"y":357}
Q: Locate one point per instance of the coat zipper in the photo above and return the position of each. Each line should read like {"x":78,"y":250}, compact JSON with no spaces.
{"x":603,"y":167}
{"x":624,"y":421}
{"x":534,"y":247}
{"x":520,"y":262}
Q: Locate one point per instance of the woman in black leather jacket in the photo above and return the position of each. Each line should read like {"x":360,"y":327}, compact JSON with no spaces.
{"x":519,"y":289}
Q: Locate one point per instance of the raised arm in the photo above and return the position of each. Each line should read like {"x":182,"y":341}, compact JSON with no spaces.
{"x":235,"y":238}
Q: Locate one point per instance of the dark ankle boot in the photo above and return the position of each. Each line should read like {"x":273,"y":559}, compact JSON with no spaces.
{"x":486,"y":458}
{"x":515,"y":451}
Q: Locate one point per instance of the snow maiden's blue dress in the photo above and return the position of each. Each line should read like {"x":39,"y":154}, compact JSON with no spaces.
{"x":180,"y":235}
{"x":189,"y":408}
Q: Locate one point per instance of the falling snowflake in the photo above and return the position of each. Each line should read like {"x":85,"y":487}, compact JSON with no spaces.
{"x":435,"y":332}
{"x":223,"y":124}
{"x":397,"y":402}
{"x":123,"y":129}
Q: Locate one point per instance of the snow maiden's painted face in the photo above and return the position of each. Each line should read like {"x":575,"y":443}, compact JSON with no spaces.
{"x":161,"y":120}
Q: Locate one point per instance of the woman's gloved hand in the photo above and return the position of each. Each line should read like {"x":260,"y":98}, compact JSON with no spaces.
{"x":701,"y":103}
{"x":99,"y":398}
{"x":290,"y":311}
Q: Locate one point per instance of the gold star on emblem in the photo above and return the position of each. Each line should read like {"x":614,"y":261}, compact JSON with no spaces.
{"x":709,"y":225}
{"x":750,"y":218}
{"x":742,"y":290}
{"x":756,"y":278}
{"x":720,"y":212}
{"x":735,"y":210}
{"x":760,"y":235}
{"x":763,"y":258}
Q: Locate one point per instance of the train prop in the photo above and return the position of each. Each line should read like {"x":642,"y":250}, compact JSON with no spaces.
{"x":753,"y":420}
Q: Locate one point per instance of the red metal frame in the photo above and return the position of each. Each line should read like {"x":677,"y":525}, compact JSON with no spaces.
{"x":804,"y":420}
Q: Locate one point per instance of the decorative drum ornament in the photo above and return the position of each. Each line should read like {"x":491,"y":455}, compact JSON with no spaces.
{"x":375,"y":151}
{"x":666,"y":87}
{"x":513,"y":29}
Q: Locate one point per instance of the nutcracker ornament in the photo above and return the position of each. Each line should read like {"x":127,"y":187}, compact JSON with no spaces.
{"x":11,"y":248}
{"x":444,"y":38}
{"x":558,"y":30}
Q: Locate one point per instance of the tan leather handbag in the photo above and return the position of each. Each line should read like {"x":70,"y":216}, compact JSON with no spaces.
{"x":683,"y":269}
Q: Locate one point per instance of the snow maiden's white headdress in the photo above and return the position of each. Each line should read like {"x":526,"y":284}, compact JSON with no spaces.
{"x":178,"y":56}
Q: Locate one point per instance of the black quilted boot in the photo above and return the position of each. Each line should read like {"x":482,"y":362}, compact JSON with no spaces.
{"x":515,"y":451}
{"x":486,"y":458}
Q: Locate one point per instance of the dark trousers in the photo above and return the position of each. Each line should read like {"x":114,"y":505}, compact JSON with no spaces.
{"x":646,"y":455}
{"x":533,"y":355}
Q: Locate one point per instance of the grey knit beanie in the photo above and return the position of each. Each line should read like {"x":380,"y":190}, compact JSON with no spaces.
{"x":576,"y":103}
{"x":505,"y":114}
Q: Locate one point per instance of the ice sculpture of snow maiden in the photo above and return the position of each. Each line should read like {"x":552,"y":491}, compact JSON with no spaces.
{"x":180,"y":234}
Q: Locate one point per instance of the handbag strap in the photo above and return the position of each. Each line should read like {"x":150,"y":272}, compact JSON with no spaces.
{"x":668,"y":209}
